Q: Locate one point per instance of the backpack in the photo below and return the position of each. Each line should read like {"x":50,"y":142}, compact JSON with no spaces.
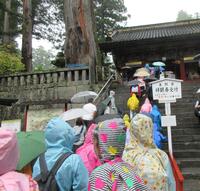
{"x":46,"y":179}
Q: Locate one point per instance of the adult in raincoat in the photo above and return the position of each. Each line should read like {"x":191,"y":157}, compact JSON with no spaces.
{"x":9,"y":156}
{"x":59,"y":138}
{"x":86,"y":151}
{"x":150,"y":163}
{"x":114,"y":174}
{"x":111,"y":107}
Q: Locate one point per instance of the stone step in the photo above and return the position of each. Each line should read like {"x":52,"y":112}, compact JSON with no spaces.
{"x":182,"y":131}
{"x":185,"y":138}
{"x":186,"y":135}
{"x":191,"y":185}
{"x":190,"y":124}
{"x":186,"y":106}
{"x":183,"y":145}
{"x":195,"y":153}
{"x":184,"y":117}
{"x":191,"y":173}
{"x":188,"y":162}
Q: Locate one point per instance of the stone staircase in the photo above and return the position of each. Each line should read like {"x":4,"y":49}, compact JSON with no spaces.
{"x":185,"y":136}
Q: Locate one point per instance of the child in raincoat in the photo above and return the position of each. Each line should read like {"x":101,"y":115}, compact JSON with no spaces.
{"x":151,"y":163}
{"x":59,"y":138}
{"x":127,"y":124}
{"x":146,"y":107}
{"x":114,"y":174}
{"x":87,"y":153}
{"x":10,"y":180}
{"x":158,"y":137}
{"x":156,"y":115}
{"x":133,"y":105}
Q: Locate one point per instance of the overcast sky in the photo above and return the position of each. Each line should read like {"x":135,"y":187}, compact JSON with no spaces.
{"x":158,"y":11}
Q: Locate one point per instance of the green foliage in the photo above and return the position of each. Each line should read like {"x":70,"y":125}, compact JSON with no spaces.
{"x":59,"y":61}
{"x":110,"y":15}
{"x":10,"y":61}
{"x":183,"y":15}
{"x":42,"y":59}
{"x":10,"y":48}
{"x":47,"y":19}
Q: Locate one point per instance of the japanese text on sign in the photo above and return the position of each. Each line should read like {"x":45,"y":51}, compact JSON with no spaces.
{"x":166,"y":90}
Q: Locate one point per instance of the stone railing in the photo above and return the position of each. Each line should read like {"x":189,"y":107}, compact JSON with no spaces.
{"x":66,"y":77}
{"x":41,"y":87}
{"x":48,"y":85}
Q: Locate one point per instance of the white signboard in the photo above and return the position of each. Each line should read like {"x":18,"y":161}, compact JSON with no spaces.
{"x":14,"y":125}
{"x":168,"y":121}
{"x":166,"y":89}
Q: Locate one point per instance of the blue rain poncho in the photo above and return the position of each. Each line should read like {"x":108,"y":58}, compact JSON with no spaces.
{"x":59,"y":138}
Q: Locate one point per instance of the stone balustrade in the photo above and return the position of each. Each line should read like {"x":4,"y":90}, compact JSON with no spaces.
{"x":47,"y":85}
{"x":61,"y":76}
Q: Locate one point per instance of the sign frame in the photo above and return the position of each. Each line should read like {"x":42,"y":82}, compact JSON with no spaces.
{"x":166,"y":89}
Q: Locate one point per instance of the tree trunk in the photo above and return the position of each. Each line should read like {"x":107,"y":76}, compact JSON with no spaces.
{"x":6,"y":27}
{"x":27,"y":36}
{"x":80,"y":46}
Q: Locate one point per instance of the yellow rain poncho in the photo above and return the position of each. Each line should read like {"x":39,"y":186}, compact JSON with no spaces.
{"x":151,"y":163}
{"x":133,"y":103}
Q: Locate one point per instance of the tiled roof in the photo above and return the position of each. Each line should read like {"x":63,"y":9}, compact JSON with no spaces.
{"x":156,"y":31}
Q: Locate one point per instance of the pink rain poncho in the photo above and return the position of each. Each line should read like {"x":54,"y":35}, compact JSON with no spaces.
{"x":146,"y":107}
{"x":9,"y":156}
{"x":86,"y":151}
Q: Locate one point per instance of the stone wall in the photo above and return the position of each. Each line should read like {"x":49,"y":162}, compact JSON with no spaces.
{"x":41,"y":86}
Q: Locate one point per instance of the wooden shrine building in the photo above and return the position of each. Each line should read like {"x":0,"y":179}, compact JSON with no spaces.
{"x":174,"y":43}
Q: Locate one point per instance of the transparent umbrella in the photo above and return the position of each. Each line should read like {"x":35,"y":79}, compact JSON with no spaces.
{"x":73,"y":113}
{"x":82,"y":97}
{"x":198,"y":91}
{"x":141,"y":73}
{"x":158,"y":63}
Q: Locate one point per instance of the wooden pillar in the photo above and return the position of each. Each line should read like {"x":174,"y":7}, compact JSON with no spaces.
{"x":182,"y":70}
